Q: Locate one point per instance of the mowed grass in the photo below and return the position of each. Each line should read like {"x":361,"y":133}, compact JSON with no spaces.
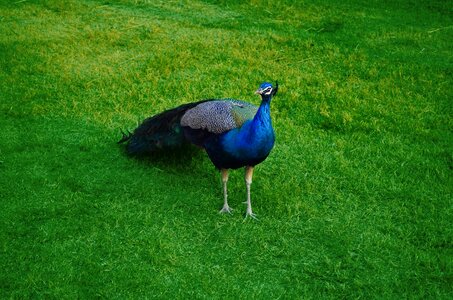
{"x":355,"y":201}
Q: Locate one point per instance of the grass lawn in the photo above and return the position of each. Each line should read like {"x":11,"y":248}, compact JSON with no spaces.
{"x":355,"y":201}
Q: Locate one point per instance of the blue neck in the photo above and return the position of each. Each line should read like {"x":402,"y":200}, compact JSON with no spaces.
{"x":263,"y":115}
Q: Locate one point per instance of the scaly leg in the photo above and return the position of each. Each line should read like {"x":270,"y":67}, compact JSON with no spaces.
{"x":226,"y":208}
{"x":248,"y":183}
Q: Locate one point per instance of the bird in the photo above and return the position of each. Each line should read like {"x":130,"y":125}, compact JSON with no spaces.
{"x":234,"y":134}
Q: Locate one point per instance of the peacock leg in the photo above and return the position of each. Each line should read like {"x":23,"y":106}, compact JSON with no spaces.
{"x":226,"y":208}
{"x":248,"y":183}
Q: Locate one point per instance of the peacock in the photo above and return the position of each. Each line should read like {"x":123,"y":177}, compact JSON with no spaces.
{"x":233,"y":133}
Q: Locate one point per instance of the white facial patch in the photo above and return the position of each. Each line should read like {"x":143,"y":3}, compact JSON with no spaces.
{"x":267,"y":91}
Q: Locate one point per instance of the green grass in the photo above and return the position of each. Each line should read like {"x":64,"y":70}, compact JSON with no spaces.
{"x":355,"y":201}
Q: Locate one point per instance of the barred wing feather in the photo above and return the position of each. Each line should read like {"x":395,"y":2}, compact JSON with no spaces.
{"x":219,"y":116}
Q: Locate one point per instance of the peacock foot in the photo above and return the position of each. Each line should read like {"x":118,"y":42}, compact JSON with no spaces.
{"x":251,"y":215}
{"x":226,"y":209}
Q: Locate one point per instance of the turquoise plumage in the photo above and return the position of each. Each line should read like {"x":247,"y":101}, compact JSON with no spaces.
{"x":234,"y":134}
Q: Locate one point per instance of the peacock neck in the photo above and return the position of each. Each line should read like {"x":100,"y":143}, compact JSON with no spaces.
{"x":263,"y":115}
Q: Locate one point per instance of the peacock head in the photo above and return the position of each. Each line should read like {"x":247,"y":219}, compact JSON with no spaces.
{"x":267,"y":90}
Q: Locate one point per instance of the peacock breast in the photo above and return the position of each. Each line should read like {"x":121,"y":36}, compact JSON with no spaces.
{"x":249,"y":143}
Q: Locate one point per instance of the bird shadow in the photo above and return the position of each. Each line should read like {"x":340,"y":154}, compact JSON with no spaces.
{"x":187,"y":159}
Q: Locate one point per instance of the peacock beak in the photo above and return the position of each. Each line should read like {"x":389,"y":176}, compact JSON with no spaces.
{"x":258,"y":92}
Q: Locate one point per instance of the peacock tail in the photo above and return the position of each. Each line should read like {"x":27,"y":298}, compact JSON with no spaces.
{"x":158,"y":132}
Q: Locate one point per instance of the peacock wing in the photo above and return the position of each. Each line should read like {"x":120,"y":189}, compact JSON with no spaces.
{"x":218,"y":116}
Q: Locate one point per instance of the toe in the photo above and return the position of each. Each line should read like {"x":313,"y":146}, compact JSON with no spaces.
{"x":226,"y":209}
{"x":251,"y":215}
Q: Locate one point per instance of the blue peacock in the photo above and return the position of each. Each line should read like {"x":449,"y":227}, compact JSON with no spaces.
{"x":234,"y":134}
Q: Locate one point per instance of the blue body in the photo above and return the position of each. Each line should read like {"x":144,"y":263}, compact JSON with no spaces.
{"x":247,"y":145}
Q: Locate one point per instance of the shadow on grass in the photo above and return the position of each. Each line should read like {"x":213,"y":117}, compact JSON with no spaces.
{"x":186,"y":160}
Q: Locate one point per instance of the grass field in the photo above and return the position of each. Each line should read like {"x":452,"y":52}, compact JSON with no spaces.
{"x":355,"y":201}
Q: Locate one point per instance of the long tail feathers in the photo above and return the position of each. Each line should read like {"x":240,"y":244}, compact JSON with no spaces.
{"x":161,"y":131}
